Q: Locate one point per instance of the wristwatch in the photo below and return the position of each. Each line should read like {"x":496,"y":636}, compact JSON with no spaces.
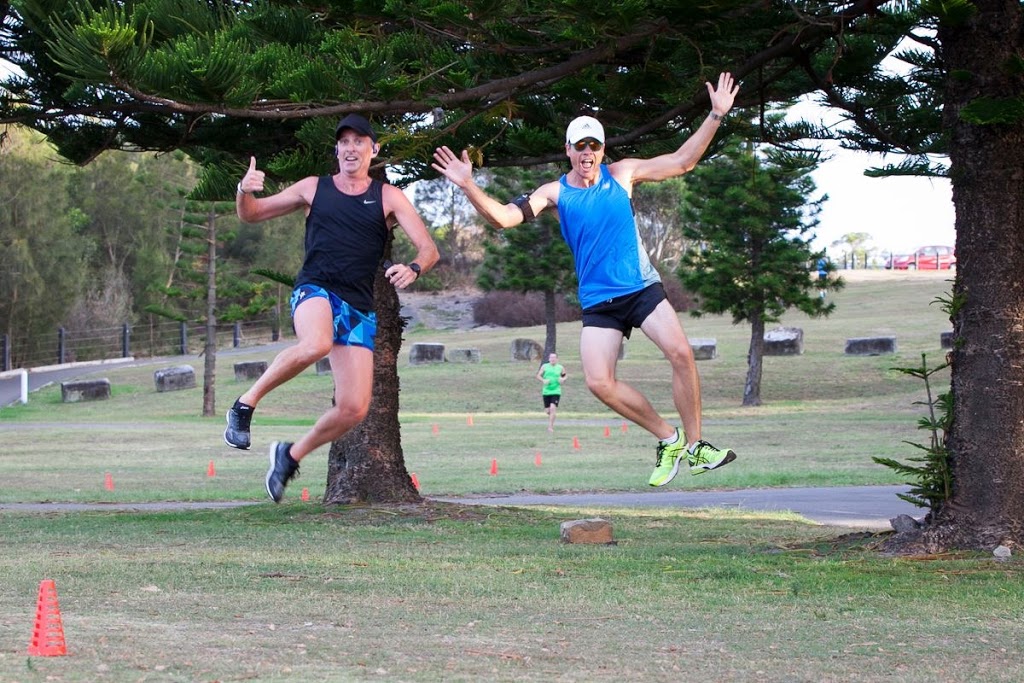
{"x":415,"y":267}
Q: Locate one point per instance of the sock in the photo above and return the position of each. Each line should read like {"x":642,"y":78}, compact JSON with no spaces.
{"x":242,"y":407}
{"x":672,"y":439}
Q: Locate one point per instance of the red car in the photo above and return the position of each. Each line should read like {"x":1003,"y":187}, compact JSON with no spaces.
{"x":926,"y":258}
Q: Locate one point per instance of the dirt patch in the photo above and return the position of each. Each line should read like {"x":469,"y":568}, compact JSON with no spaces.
{"x":448,"y":310}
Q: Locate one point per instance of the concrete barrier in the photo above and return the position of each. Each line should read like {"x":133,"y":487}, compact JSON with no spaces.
{"x":423,"y":353}
{"x":784,"y":341}
{"x":85,"y":390}
{"x":870,"y":346}
{"x":946,"y":340}
{"x":704,"y":349}
{"x":526,"y":349}
{"x":175,"y":378}
{"x":250,"y":370}
{"x":323,"y":366}
{"x":464,"y":356}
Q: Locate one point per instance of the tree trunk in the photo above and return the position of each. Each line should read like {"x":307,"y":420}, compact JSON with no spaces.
{"x":210,"y":349}
{"x":755,"y":361}
{"x":986,"y":440}
{"x":367,"y":465}
{"x":551,"y":332}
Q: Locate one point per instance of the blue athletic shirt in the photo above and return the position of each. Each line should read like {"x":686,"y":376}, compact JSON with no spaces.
{"x":599,"y":227}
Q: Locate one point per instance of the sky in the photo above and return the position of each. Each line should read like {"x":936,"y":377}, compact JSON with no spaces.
{"x":900,"y":213}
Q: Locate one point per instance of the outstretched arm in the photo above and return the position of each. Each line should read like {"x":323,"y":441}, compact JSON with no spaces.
{"x":253,"y":209}
{"x":686,"y":157}
{"x":459,"y":170}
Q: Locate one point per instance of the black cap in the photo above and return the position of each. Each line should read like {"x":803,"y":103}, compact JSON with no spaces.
{"x":356,"y":123}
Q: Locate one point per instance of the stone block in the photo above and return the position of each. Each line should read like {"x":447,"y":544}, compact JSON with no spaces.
{"x":594,"y":530}
{"x":784,"y":341}
{"x":946,"y":340}
{"x":704,"y":349}
{"x":85,"y":390}
{"x":526,"y":349}
{"x":175,"y":378}
{"x":870,"y":346}
{"x":464,"y":356}
{"x":424,"y":352}
{"x":323,"y":366}
{"x":250,"y":370}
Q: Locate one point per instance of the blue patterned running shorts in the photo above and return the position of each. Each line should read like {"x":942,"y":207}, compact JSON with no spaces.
{"x":352,"y":327}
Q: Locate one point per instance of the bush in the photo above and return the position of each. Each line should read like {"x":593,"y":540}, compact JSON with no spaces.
{"x":680,"y":299}
{"x":516,"y":309}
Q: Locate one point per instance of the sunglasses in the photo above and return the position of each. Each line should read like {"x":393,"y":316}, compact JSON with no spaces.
{"x":594,"y":145}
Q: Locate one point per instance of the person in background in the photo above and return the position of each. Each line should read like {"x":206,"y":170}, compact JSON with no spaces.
{"x":348,"y":216}
{"x":552,"y":374}
{"x":619,"y":289}
{"x":822,"y":276}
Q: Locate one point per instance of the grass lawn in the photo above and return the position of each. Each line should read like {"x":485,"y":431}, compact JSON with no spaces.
{"x":300,"y":592}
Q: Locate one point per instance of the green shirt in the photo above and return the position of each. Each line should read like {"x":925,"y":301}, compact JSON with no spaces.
{"x":551,"y":374}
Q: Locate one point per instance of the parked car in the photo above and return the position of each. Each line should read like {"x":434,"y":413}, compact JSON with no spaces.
{"x":936,"y":257}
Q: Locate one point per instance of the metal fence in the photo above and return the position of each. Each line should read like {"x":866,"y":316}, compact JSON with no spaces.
{"x":161,"y":338}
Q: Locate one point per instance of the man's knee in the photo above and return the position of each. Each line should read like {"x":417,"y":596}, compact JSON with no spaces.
{"x":313,"y":350}
{"x":680,"y":355}
{"x":350,"y":410}
{"x":600,"y":386}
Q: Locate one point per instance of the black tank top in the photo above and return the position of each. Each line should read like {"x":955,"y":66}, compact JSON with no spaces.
{"x":345,"y":237}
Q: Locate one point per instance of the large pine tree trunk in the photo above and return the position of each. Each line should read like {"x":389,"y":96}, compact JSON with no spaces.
{"x":755,"y":362}
{"x":367,"y":465}
{"x":986,"y":439}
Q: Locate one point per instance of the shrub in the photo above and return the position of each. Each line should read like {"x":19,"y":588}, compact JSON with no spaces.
{"x":680,"y":299}
{"x":516,"y":309}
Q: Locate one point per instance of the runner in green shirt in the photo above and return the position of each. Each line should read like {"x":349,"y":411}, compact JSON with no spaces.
{"x":552,"y":375}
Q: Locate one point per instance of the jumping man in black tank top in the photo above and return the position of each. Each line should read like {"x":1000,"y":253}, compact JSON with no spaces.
{"x":347,"y":218}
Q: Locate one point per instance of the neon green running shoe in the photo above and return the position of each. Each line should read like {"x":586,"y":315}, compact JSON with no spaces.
{"x":706,"y":457}
{"x":667,"y":465}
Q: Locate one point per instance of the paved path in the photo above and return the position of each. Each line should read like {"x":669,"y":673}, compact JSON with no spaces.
{"x":860,"y":507}
{"x":865,"y":507}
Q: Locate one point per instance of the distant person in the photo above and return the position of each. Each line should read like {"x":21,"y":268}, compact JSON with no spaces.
{"x":348,"y":216}
{"x":552,"y":374}
{"x":822,"y":276}
{"x":619,"y":289}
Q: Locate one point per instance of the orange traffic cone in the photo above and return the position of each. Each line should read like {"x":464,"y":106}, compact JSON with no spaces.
{"x":210,"y":471}
{"x":415,"y":481}
{"x":435,"y":429}
{"x":625,"y":427}
{"x":469,"y":420}
{"x":305,"y":495}
{"x":607,"y":430}
{"x":494,"y":467}
{"x":108,"y":482}
{"x":48,"y":632}
{"x":576,"y":443}
{"x":536,"y":458}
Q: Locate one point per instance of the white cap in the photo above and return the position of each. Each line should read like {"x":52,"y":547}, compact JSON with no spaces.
{"x":584,"y":127}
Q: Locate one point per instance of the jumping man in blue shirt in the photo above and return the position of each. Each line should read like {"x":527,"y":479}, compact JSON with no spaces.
{"x":619,"y":289}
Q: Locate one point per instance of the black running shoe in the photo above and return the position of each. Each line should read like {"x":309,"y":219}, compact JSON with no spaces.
{"x":236,"y":434}
{"x":282,"y":469}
